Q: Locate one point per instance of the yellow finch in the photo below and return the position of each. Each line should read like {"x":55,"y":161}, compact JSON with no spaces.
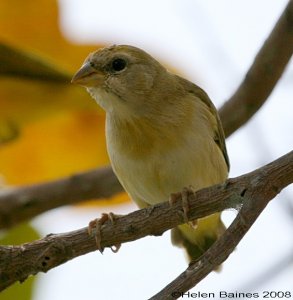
{"x":163,"y":133}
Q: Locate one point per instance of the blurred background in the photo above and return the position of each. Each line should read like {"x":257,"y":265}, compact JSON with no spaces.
{"x":50,"y":129}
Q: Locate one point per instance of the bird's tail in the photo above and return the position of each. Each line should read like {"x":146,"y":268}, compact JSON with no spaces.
{"x":196,"y":240}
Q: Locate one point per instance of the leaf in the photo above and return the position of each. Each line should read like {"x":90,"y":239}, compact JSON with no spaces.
{"x":33,"y":47}
{"x":55,"y":147}
{"x":48,"y":128}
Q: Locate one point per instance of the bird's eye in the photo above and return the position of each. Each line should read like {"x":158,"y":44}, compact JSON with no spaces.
{"x":118,"y":64}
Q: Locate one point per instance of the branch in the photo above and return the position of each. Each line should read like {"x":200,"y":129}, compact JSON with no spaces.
{"x":22,"y":203}
{"x":263,"y":75}
{"x":18,"y":63}
{"x":256,"y":196}
{"x":254,"y":190}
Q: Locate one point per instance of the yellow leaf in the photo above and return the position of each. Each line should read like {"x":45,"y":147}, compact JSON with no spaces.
{"x":59,"y":129}
{"x":55,"y":147}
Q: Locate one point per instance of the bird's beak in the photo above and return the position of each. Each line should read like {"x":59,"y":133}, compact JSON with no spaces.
{"x":88,"y":76}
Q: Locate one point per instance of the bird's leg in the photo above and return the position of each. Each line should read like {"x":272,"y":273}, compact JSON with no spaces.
{"x":183,"y":195}
{"x":94,"y":228}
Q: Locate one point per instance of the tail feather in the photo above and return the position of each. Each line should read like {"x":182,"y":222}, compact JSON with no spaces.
{"x":197,"y":240}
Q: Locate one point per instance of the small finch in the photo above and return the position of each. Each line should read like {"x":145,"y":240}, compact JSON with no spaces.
{"x":163,"y":134}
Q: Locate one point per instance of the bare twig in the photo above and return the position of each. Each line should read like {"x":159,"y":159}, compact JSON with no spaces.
{"x":254,"y":190}
{"x":18,"y":63}
{"x":19,"y":204}
{"x":263,"y":75}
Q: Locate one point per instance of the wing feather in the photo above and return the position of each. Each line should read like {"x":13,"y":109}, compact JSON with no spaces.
{"x":219,"y":136}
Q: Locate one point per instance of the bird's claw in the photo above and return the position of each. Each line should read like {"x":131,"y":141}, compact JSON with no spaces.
{"x":183,"y":196}
{"x":94,"y":228}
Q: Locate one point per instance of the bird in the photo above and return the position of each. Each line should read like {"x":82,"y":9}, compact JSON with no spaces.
{"x":163,"y":135}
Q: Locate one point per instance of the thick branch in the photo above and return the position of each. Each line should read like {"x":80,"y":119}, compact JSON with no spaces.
{"x":19,"y":204}
{"x":263,"y":75}
{"x":254,"y":189}
{"x":256,"y":197}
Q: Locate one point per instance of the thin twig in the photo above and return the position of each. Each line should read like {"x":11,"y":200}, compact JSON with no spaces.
{"x":263,"y":75}
{"x":254,"y":190}
{"x":18,"y":63}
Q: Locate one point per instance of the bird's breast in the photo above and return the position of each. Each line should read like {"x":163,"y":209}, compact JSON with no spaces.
{"x":151,"y":168}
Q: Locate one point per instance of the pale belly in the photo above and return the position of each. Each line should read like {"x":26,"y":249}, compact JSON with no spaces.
{"x":151,"y":179}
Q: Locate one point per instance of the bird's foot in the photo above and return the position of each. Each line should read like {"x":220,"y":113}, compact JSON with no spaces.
{"x":94,"y":228}
{"x":183,"y":196}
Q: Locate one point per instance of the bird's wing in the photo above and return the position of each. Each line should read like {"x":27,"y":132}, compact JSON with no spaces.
{"x":219,"y":136}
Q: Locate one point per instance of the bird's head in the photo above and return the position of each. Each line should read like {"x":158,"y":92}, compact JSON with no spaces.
{"x":121,"y":79}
